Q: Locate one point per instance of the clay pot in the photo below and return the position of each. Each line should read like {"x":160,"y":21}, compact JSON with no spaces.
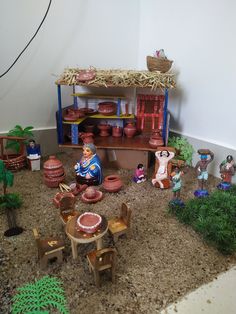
{"x":117,"y":131}
{"x":107,"y":108}
{"x":130,"y":130}
{"x":89,"y":128}
{"x":156,"y":139}
{"x":112,"y":183}
{"x":91,"y":195}
{"x":87,"y":138}
{"x":60,"y":195}
{"x":104,"y":129}
{"x":53,"y":172}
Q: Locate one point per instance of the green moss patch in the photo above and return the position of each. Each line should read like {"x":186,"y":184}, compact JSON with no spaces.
{"x":214,"y":217}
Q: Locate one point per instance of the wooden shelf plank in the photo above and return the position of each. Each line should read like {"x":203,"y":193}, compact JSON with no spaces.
{"x":139,"y":142}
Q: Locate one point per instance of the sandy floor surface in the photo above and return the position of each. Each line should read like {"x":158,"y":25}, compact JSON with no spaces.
{"x":158,"y":263}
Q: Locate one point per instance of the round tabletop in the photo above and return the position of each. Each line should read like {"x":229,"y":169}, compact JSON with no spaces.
{"x":79,"y":236}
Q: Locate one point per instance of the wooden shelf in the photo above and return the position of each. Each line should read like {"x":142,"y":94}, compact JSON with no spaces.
{"x":139,"y":142}
{"x":85,"y":95}
{"x":100,"y":116}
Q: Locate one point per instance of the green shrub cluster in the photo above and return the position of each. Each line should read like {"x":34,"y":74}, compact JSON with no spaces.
{"x":214,"y":217}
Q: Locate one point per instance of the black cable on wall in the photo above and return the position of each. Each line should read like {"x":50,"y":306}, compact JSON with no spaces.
{"x":45,"y":15}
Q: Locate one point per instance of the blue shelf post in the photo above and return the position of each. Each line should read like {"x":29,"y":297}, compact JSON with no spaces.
{"x":59,"y":119}
{"x":165,"y":126}
{"x":74,"y":127}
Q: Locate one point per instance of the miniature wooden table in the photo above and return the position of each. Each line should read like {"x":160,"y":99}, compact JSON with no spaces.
{"x":77,"y":236}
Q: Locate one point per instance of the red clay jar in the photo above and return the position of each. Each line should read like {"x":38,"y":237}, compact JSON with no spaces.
{"x":130,"y":130}
{"x":116,"y":131}
{"x":53,"y":172}
{"x":156,"y":139}
{"x":112,"y":183}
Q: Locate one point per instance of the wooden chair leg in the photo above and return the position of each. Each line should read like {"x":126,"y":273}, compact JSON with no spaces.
{"x":97,"y":278}
{"x":43,"y":262}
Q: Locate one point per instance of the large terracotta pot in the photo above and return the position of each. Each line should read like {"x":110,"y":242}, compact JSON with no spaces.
{"x":156,"y":139}
{"x":53,"y":172}
{"x":112,"y":183}
{"x":130,"y":130}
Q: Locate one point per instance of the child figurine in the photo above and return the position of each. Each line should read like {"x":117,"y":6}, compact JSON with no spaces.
{"x":202,"y":174}
{"x":227,"y":170}
{"x":33,"y":155}
{"x":176,"y":188}
{"x":139,"y":174}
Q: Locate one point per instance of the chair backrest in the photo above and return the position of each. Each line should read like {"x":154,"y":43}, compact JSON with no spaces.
{"x":125,"y":214}
{"x":105,"y":258}
{"x":67,"y":203}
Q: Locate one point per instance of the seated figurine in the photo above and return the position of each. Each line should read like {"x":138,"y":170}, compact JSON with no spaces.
{"x":162,"y":168}
{"x":88,"y":169}
{"x":139,"y":175}
{"x":33,"y":150}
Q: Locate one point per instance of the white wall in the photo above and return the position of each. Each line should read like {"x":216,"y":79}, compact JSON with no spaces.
{"x":199,"y":35}
{"x":75,"y":33}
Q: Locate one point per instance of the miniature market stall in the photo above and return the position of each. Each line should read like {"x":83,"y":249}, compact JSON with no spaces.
{"x":132,"y":139}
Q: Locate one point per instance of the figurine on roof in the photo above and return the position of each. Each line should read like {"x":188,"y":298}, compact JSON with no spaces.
{"x":227,"y":170}
{"x":206,"y":156}
{"x":88,"y":169}
{"x":139,"y":175}
{"x":162,"y":168}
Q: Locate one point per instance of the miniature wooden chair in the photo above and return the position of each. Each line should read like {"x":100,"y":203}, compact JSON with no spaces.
{"x":48,"y":248}
{"x":67,"y":207}
{"x":120,"y":225}
{"x":100,"y":260}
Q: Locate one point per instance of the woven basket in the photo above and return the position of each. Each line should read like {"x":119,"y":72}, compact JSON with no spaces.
{"x":158,"y":64}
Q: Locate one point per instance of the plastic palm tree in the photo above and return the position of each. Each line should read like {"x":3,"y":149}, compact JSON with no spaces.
{"x":18,"y":131}
{"x":40,"y":297}
{"x":9,"y":201}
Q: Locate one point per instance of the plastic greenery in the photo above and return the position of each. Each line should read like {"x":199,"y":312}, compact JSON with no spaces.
{"x":40,"y":297}
{"x":214,"y":217}
{"x":18,"y":131}
{"x":184,"y":148}
{"x":6,"y":176}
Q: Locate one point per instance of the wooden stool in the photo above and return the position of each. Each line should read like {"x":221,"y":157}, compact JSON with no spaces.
{"x":48,"y":249}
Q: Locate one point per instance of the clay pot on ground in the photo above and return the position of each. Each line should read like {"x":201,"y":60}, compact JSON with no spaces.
{"x":156,"y":139}
{"x":104,"y":129}
{"x":130,"y":129}
{"x":53,"y":172}
{"x":91,"y":195}
{"x":117,"y":131}
{"x":107,"y":108}
{"x":112,"y":183}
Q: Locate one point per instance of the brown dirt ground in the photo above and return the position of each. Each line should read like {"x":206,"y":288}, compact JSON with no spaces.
{"x":158,"y":263}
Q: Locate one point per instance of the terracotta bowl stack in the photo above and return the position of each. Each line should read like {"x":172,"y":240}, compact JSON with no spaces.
{"x":53,"y":172}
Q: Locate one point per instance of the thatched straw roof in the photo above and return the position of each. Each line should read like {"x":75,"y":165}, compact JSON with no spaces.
{"x":120,"y":78}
